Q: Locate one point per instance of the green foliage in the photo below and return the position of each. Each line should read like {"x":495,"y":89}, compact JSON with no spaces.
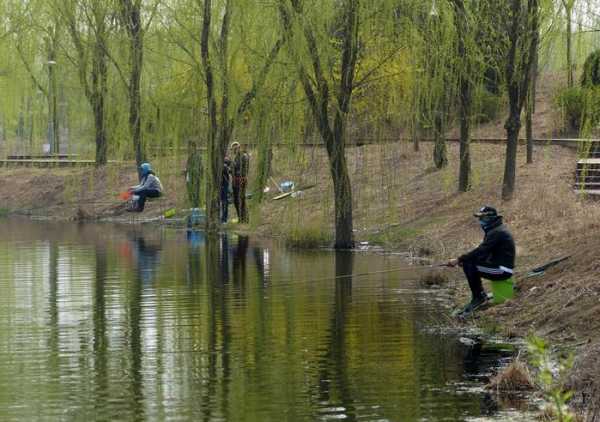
{"x":4,"y":212}
{"x":591,"y":70}
{"x":487,"y":106}
{"x":551,"y":377}
{"x":580,"y":108}
{"x":571,"y":103}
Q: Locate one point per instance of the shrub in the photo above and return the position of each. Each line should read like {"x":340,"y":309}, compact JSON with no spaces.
{"x":515,"y":377}
{"x":571,"y":102}
{"x":486,"y":106}
{"x":580,"y":108}
{"x":591,"y":70}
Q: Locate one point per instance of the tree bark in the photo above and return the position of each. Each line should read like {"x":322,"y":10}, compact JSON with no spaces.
{"x":464,"y":172}
{"x":513,"y":126}
{"x":344,"y":236}
{"x":440,"y":155}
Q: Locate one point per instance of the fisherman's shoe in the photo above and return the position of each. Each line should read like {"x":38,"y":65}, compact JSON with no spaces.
{"x":476,"y":303}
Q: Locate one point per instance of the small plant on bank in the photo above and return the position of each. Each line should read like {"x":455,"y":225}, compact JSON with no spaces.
{"x":551,"y":377}
{"x":310,"y":236}
{"x":513,"y":379}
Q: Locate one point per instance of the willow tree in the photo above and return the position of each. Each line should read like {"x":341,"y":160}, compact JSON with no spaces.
{"x":312,"y":67}
{"x":88,"y":24}
{"x":522,"y":27}
{"x":216,"y":59}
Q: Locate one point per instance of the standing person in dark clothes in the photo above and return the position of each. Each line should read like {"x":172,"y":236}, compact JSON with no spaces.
{"x":225,"y":183}
{"x":149,"y":187}
{"x":493,"y":259}
{"x":241,"y":164}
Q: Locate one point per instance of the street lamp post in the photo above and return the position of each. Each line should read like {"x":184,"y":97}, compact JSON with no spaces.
{"x":53,"y":135}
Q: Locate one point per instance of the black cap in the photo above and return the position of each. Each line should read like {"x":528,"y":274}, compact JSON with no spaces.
{"x":488,"y":212}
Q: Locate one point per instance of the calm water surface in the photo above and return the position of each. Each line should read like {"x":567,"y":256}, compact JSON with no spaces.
{"x":103,"y":322}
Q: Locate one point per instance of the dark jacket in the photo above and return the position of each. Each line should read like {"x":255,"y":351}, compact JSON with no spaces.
{"x":241,"y":163}
{"x":496,"y":250}
{"x":226,"y":173}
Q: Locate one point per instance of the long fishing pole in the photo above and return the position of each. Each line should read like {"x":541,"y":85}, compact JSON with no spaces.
{"x":392,"y":270}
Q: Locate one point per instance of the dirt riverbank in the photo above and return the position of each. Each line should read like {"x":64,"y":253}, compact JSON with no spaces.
{"x":402,"y":204}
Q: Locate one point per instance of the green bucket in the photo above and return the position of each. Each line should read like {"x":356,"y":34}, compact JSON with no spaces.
{"x":503,"y":290}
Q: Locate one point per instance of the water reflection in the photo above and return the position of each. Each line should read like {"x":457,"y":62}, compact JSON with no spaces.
{"x":106,"y":322}
{"x":335,"y":395}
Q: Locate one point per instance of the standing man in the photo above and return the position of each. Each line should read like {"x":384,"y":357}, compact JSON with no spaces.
{"x":241,"y":164}
{"x":493,"y":259}
{"x":225,"y":184}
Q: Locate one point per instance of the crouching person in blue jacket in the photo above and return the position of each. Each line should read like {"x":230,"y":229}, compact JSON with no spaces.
{"x":149,"y":187}
{"x":493,"y":259}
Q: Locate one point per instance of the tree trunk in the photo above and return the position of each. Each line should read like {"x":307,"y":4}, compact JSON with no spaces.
{"x":97,"y":100}
{"x":529,"y":129}
{"x":440,"y":156}
{"x":134,"y":27}
{"x":513,"y":126}
{"x":464,"y":173}
{"x":466,"y":99}
{"x":265,"y":158}
{"x":344,"y":236}
{"x":531,"y":98}
{"x":215,"y":162}
{"x":569,"y":13}
{"x":194,"y":175}
{"x":518,"y":78}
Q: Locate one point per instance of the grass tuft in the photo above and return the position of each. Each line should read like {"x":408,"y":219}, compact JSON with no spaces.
{"x":307,"y":237}
{"x":514,"y":378}
{"x":434,"y":278}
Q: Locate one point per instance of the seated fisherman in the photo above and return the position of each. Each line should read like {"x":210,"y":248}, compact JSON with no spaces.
{"x":149,"y":187}
{"x":493,"y":259}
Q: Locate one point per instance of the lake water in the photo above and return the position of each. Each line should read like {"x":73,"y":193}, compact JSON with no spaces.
{"x":108,"y":322}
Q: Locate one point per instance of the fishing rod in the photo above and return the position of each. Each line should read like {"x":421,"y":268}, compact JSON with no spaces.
{"x":365,"y":274}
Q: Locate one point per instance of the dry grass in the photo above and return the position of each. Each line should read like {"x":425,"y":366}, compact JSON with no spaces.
{"x":512,"y":379}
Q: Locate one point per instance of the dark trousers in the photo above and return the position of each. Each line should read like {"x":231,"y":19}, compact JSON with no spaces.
{"x":224,"y":203}
{"x":475,"y":271}
{"x":239,"y":198}
{"x":149,"y":193}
